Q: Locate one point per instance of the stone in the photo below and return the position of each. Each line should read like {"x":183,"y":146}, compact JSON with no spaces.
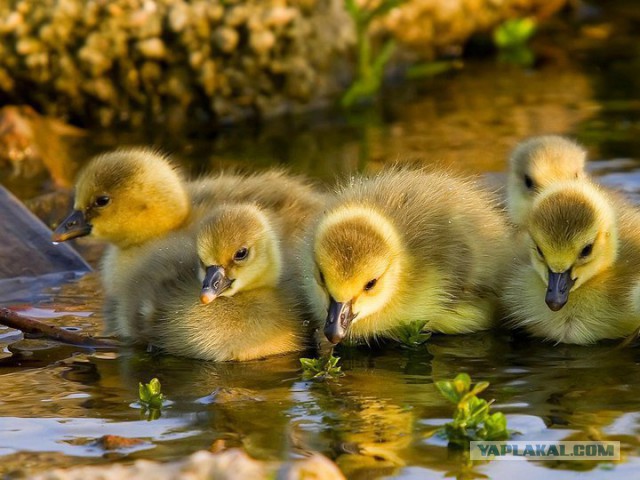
{"x":74,"y":59}
{"x":29,"y":256}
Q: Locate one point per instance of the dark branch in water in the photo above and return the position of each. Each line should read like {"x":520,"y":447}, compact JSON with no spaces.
{"x":33,"y":326}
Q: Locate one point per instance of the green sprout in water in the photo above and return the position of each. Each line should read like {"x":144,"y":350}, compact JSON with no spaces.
{"x":151,"y":397}
{"x":512,"y":38}
{"x":370,"y":67}
{"x":321,"y":368}
{"x":412,"y":335}
{"x":471,"y":418}
{"x":514,"y":33}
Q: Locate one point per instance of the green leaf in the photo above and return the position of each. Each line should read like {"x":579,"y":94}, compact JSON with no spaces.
{"x":496,"y":427}
{"x":370,"y":66}
{"x":471,"y":419}
{"x":412,"y":334}
{"x":462,"y":383}
{"x":352,"y":8}
{"x":321,"y":368}
{"x":479,"y":388}
{"x":150,"y":394}
{"x":333,"y":361}
{"x":478,"y":410}
{"x":383,"y":58}
{"x":448,"y":391}
{"x":309,"y":364}
{"x":514,"y":32}
{"x":385,"y":6}
{"x":154,"y":387}
{"x":382,"y":9}
{"x":143,"y":393}
{"x":156,"y":401}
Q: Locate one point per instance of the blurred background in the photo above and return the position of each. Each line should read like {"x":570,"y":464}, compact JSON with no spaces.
{"x":325,"y":87}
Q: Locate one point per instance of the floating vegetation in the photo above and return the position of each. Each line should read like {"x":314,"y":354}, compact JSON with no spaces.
{"x":151,"y":398}
{"x":413,"y":334}
{"x":321,"y":368}
{"x":471,"y":417}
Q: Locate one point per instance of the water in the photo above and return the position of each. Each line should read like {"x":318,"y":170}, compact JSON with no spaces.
{"x":375,"y":421}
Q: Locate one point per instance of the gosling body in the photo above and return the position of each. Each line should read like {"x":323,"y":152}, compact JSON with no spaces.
{"x":259,"y":319}
{"x":133,"y":197}
{"x":580,"y":282}
{"x":290,"y":197}
{"x":405,"y":246}
{"x":537,"y":163}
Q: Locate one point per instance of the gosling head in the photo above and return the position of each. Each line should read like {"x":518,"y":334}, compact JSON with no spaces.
{"x":537,"y":163}
{"x":239,"y":250}
{"x":126,"y":197}
{"x":573,"y":237}
{"x":357,"y":254}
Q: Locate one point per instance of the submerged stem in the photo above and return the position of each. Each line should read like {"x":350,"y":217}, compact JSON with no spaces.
{"x":33,"y":326}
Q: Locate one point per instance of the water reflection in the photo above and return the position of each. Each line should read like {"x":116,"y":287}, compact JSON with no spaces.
{"x":376,"y":420}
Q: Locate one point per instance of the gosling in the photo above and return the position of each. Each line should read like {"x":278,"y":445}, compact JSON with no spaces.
{"x":537,"y":163}
{"x":405,"y":246}
{"x":133,"y":197}
{"x":129,"y":198}
{"x":254,"y":314}
{"x":581,"y":282}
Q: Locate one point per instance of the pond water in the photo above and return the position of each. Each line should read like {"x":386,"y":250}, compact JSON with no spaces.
{"x":375,"y":421}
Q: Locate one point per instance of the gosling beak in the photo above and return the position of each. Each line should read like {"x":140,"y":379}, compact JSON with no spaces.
{"x":75,"y":225}
{"x":558,"y":290}
{"x":338,"y":320}
{"x":215,"y":282}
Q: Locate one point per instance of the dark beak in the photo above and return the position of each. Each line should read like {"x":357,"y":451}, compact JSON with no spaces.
{"x":558,"y":290}
{"x":338,"y":320}
{"x":215,"y":282}
{"x":75,"y":225}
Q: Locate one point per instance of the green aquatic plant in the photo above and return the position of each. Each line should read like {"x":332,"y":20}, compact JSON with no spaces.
{"x":433,"y":68}
{"x":514,"y":33}
{"x":150,"y":394}
{"x":412,"y":335}
{"x":321,"y":368}
{"x":512,"y":37}
{"x":370,"y":68}
{"x":471,"y":417}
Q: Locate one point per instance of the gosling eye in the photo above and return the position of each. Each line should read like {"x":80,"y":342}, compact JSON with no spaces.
{"x":528,"y":182}
{"x":370,"y":284}
{"x":539,"y":251}
{"x":102,"y":201}
{"x":586,"y":251}
{"x":241,"y":254}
